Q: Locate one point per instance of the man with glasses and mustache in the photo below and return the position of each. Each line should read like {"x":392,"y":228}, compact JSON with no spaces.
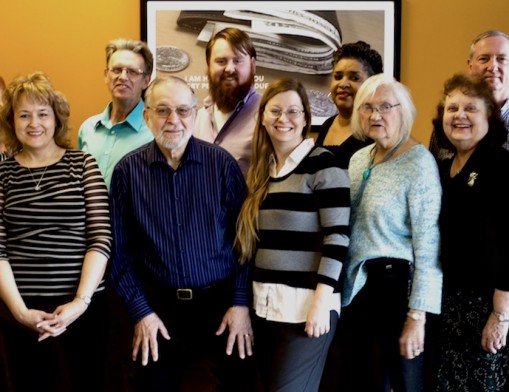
{"x":174,"y":205}
{"x":228,"y":115}
{"x":120,"y":128}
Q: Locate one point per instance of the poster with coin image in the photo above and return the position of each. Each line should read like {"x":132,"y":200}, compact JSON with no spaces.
{"x":294,"y":39}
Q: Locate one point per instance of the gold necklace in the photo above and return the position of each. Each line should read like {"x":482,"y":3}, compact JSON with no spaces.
{"x":37,"y":183}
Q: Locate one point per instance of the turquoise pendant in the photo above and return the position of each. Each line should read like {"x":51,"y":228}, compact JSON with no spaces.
{"x":366,"y":173}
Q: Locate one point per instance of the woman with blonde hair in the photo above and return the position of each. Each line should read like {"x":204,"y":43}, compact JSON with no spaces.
{"x":55,"y":241}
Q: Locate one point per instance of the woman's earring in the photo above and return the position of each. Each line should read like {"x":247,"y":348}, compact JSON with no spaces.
{"x":329,"y":97}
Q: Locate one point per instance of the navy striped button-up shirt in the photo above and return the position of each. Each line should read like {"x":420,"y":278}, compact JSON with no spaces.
{"x":177,"y":226}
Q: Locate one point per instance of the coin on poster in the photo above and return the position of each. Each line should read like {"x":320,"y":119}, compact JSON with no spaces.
{"x":171,"y":59}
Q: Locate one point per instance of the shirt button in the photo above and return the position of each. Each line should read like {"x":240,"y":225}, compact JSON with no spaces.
{"x":112,"y":132}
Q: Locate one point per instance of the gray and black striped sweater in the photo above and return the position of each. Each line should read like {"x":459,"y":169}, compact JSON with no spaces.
{"x":304,"y":224}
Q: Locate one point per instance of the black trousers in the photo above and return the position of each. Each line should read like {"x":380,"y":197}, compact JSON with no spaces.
{"x":370,"y":328}
{"x":194,"y":359}
{"x":71,"y":362}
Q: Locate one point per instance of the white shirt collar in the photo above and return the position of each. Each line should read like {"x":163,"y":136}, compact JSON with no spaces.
{"x":296,"y":157}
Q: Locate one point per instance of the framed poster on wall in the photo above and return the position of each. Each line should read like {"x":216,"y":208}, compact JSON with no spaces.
{"x":292,"y":39}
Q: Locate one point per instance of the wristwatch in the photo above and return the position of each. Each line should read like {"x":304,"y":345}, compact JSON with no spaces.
{"x":500,"y":317}
{"x":416,"y":316}
{"x":85,"y":298}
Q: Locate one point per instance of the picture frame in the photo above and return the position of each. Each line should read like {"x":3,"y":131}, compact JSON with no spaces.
{"x":296,"y":42}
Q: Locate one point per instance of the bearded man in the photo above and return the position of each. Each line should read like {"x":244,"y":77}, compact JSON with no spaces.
{"x":228,"y":115}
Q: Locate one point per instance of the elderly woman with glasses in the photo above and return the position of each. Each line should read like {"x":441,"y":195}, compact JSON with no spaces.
{"x":293,"y":228}
{"x":392,"y":275}
{"x":473,"y":352}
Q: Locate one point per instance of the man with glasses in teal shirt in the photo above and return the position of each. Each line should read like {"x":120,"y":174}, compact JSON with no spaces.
{"x":110,"y":135}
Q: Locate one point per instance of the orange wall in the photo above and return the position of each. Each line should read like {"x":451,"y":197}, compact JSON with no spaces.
{"x":436,"y":36}
{"x":66,"y":39}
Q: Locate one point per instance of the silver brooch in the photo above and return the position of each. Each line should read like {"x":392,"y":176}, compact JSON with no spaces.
{"x":471,"y":178}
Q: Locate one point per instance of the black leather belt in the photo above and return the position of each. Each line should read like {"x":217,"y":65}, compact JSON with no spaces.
{"x":386,"y":264}
{"x":196,"y":293}
{"x":184,"y":294}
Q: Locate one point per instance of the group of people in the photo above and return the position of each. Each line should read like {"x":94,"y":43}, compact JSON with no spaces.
{"x":245,"y":254}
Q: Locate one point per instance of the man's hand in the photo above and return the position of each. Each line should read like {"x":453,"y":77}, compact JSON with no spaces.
{"x":239,"y":326}
{"x":145,"y":337}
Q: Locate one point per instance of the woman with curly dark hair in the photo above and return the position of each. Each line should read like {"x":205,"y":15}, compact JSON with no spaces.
{"x":473,"y":353}
{"x":353,"y":64}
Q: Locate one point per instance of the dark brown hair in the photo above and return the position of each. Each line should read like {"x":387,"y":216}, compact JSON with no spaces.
{"x":477,"y":87}
{"x":238,"y":39}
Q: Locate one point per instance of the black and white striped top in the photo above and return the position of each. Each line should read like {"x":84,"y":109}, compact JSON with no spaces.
{"x":45,"y":233}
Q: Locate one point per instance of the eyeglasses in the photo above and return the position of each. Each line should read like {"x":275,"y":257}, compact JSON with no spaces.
{"x":165,"y":111}
{"x":292,"y":113}
{"x":383,"y":108}
{"x":131,"y":72}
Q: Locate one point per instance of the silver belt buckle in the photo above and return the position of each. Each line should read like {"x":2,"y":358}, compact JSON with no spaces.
{"x":184,"y":294}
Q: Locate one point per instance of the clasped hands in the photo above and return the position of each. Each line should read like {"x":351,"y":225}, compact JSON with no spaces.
{"x":53,"y":324}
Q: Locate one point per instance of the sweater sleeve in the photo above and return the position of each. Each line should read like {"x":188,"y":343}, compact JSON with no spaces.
{"x":424,"y":200}
{"x":332,"y":193}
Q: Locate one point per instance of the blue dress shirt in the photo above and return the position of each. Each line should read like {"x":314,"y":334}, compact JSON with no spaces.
{"x":175,"y":227}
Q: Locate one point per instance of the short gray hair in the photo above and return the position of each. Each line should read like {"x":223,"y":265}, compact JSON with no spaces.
{"x":400,"y":91}
{"x":135,"y":46}
{"x":168,"y":80}
{"x":484,"y":35}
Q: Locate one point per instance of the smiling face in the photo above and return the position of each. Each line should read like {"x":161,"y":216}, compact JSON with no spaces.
{"x":347,"y":77}
{"x":173,"y":132}
{"x":285,"y":130}
{"x":123,"y":87}
{"x":465,"y":120}
{"x":34,"y":124}
{"x":490,"y":60}
{"x":231,"y":74}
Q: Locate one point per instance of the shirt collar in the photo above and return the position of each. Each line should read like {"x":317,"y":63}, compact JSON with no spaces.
{"x":505,"y":106}
{"x":295,"y":157}
{"x":134,"y":119}
{"x":193,"y":152}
